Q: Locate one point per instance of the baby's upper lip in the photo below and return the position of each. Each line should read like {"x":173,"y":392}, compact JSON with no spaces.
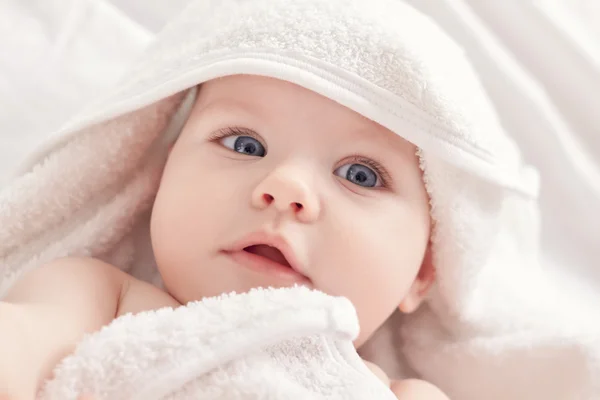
{"x":274,"y":240}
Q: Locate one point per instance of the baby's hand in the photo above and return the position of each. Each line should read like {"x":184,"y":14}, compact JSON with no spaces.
{"x":408,"y":389}
{"x":378,"y":372}
{"x":416,"y":389}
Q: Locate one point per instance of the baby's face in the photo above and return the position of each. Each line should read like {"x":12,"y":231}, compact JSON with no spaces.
{"x":265,"y":162}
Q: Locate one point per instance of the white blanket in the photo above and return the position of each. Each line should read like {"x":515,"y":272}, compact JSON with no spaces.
{"x":268,"y":344}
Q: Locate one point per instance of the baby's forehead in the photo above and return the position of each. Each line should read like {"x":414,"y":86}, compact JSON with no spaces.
{"x":281,"y":102}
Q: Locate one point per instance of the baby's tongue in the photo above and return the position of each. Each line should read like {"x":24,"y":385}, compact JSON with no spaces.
{"x":268,"y":252}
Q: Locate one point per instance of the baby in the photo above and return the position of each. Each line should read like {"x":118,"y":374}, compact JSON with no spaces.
{"x":268,"y":184}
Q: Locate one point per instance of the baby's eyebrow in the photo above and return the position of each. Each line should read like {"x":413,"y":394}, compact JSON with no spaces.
{"x":222,"y":105}
{"x":380,"y":136}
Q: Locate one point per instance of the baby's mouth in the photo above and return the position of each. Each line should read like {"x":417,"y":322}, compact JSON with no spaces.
{"x":268,"y":252}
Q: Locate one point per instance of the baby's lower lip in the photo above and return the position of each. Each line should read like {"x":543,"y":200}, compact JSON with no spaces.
{"x":266,"y":266}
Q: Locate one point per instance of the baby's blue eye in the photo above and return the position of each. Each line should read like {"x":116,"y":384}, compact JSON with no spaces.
{"x":358,"y":174}
{"x":245,"y":145}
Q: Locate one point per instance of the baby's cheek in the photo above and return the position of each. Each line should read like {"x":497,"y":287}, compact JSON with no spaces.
{"x":375,"y":270}
{"x":364,"y":278}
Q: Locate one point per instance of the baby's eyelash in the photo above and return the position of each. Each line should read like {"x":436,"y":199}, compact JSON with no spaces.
{"x":386,"y":179}
{"x":233,"y":131}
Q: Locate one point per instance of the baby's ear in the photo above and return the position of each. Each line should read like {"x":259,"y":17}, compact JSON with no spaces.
{"x":421,"y":285}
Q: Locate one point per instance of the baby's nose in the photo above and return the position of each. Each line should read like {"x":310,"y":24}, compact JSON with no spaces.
{"x":287,"y":192}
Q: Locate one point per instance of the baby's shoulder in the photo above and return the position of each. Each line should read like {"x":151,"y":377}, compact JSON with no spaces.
{"x":138,"y":296}
{"x":130,"y":294}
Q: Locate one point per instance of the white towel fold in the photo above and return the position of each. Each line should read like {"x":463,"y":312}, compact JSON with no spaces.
{"x":269,"y":344}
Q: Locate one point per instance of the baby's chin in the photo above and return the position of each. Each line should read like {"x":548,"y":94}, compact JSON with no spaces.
{"x":184,"y":296}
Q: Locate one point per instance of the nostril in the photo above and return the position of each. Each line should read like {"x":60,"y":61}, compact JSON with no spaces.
{"x":298,"y":206}
{"x":268,"y":198}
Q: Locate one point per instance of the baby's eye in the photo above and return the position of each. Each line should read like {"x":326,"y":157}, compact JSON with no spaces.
{"x":244,"y":144}
{"x":359,"y":175}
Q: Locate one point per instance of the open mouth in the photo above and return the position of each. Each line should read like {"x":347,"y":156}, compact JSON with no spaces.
{"x":268,"y":252}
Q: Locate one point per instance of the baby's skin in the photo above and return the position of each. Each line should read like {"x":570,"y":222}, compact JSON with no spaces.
{"x":269,"y":184}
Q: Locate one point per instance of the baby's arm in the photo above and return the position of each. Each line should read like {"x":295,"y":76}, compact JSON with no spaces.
{"x":46,"y":313}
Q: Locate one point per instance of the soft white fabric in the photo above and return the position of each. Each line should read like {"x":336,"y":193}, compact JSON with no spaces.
{"x":268,"y":344}
{"x":519,"y":49}
{"x":56,"y":57}
{"x":554,"y":120}
{"x":493,"y":313}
